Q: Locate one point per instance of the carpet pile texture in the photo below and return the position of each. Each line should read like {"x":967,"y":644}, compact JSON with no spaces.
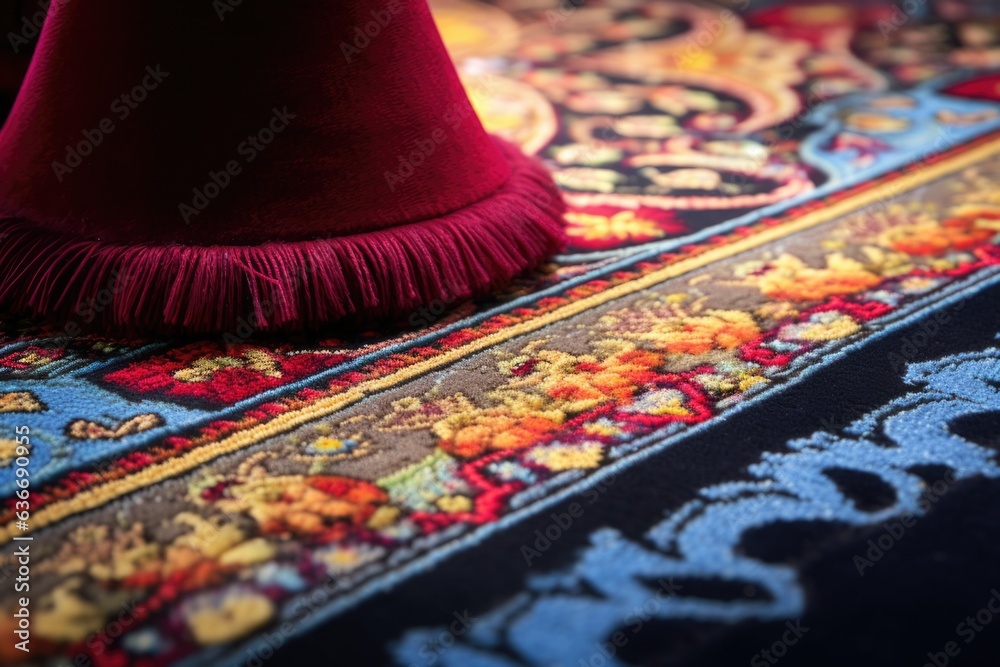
{"x":750,"y":414}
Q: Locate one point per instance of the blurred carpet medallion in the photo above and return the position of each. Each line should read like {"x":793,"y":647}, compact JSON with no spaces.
{"x":749,"y":413}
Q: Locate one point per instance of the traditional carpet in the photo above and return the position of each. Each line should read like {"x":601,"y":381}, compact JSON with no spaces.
{"x":751,"y":413}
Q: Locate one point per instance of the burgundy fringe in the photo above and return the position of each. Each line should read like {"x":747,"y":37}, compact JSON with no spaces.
{"x":166,"y":290}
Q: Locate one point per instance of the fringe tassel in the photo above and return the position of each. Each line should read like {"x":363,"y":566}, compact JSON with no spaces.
{"x":284,"y":287}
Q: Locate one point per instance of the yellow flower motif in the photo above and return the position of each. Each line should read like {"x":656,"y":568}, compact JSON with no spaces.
{"x":544,"y":388}
{"x":726,"y":384}
{"x":875,"y":122}
{"x":251,"y":552}
{"x":258,"y":487}
{"x":207,"y":537}
{"x":104,"y":553}
{"x":560,"y":384}
{"x":643,"y":126}
{"x":602,"y":429}
{"x":453,"y":504}
{"x":970,"y":225}
{"x":669,"y":328}
{"x":660,"y":403}
{"x":317,"y":506}
{"x":212,"y":620}
{"x":469,"y":434}
{"x":8,"y":451}
{"x":202,"y":370}
{"x":327,"y":445}
{"x":64,"y":616}
{"x":34,"y":359}
{"x":383,"y":517}
{"x":980,"y":216}
{"x":585,"y":154}
{"x":623,"y":225}
{"x":822,"y":327}
{"x":776,"y":310}
{"x":340,"y":559}
{"x":747,"y":380}
{"x":696,"y":60}
{"x":568,"y":457}
{"x":588,"y":178}
{"x":886,"y":263}
{"x":412,"y":413}
{"x":917,"y":284}
{"x":20,"y":401}
{"x":788,"y":277}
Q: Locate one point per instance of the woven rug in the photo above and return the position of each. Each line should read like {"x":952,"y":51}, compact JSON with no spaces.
{"x":751,"y":414}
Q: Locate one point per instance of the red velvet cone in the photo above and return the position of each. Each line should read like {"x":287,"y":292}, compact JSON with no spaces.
{"x":176,"y":166}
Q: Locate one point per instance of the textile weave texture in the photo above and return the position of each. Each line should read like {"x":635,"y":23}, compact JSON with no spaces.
{"x":750,"y":414}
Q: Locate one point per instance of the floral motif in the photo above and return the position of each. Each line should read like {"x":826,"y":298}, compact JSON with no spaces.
{"x":788,"y":277}
{"x":618,"y":227}
{"x":318,"y":507}
{"x":667,"y":327}
{"x":276,"y":523}
{"x":217,"y":618}
{"x":970,"y":226}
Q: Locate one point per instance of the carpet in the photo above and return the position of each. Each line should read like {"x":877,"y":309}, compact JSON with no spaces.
{"x":750,"y":414}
